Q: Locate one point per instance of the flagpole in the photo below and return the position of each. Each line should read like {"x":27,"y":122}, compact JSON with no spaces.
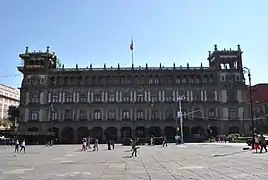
{"x":132,"y":58}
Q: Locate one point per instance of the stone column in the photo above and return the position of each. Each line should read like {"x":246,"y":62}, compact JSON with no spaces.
{"x":202,"y":95}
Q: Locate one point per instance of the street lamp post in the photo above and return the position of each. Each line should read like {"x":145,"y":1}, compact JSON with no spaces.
{"x":247,"y":70}
{"x":179,"y":115}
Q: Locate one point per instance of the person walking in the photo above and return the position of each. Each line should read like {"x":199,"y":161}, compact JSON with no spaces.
{"x":17,"y":144}
{"x":256,"y":143}
{"x":23,"y":146}
{"x":96,"y":144}
{"x":165,"y":141}
{"x":134,"y":148}
{"x":262,"y":143}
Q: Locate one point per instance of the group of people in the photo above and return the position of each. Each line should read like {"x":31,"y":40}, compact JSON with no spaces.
{"x":86,"y":144}
{"x":259,"y":143}
{"x":21,"y":145}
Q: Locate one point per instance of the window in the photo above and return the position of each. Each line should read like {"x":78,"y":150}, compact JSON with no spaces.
{"x":34,"y":115}
{"x":68,"y":114}
{"x":233,"y":114}
{"x":140,"y":115}
{"x":231,"y":95}
{"x":154,"y":97}
{"x":168,"y":115}
{"x":55,"y":97}
{"x":210,"y":94}
{"x":68,"y":97}
{"x":183,"y":81}
{"x":111,"y":98}
{"x":211,"y":113}
{"x":97,"y":98}
{"x":150,"y":81}
{"x":97,"y":115}
{"x":111,"y":115}
{"x":125,"y":115}
{"x":101,"y":80}
{"x":35,"y":98}
{"x":82,"y":115}
{"x":156,"y":80}
{"x":196,"y":95}
{"x":82,"y":97}
{"x":126,"y":97}
{"x":109,"y":81}
{"x":178,"y":80}
{"x":155,"y":114}
{"x":55,"y":115}
{"x":140,"y":98}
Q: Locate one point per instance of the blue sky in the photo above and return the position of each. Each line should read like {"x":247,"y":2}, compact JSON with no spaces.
{"x":99,"y":31}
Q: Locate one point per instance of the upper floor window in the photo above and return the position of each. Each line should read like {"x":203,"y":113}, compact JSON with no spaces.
{"x":140,"y":97}
{"x":126,"y":114}
{"x":150,"y":81}
{"x":126,"y":97}
{"x":68,"y":97}
{"x":155,"y":114}
{"x":55,"y":97}
{"x":83,"y":97}
{"x":97,"y":98}
{"x":35,"y":98}
{"x":211,"y":113}
{"x":111,"y":115}
{"x":111,"y":98}
{"x":82,"y":115}
{"x":233,"y":113}
{"x":140,"y":115}
{"x":97,"y":114}
{"x":68,"y":114}
{"x":231,"y":95}
{"x":34,"y":115}
{"x":55,"y":115}
{"x":156,"y":80}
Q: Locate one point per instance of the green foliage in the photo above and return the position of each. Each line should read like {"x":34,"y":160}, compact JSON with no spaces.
{"x":13,"y":114}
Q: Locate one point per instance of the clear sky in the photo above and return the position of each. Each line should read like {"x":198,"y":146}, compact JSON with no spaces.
{"x":99,"y":31}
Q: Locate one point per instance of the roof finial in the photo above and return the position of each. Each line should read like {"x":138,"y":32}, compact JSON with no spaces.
{"x":48,"y":49}
{"x":215,"y":48}
{"x":26,"y":49}
{"x":238,"y":47}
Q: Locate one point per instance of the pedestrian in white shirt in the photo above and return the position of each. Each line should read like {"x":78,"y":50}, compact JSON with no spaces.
{"x":22,"y":146}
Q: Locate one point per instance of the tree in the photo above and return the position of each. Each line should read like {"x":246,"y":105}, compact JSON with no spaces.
{"x":13,"y":114}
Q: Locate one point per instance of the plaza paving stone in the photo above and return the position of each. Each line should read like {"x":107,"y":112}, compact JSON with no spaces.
{"x":189,"y":161}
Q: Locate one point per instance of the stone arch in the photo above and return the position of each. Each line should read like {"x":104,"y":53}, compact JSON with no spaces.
{"x":155,"y":131}
{"x":215,"y":131}
{"x":55,"y":130}
{"x":126,"y":132}
{"x":82,"y":132}
{"x":140,"y":132}
{"x":170,"y":132}
{"x":197,"y":130}
{"x":111,"y":133}
{"x":67,"y":135}
{"x":233,"y":130}
{"x":97,"y":133}
{"x":186,"y":133}
{"x":33,"y":129}
{"x":33,"y":139}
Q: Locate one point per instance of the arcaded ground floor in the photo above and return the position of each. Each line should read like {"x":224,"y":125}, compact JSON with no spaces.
{"x":73,"y":132}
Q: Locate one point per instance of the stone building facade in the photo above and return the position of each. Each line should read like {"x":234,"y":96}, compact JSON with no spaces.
{"x":8,"y":97}
{"x":120,"y":102}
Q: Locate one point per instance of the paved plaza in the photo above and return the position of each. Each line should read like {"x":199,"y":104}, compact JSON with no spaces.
{"x":189,"y":161}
